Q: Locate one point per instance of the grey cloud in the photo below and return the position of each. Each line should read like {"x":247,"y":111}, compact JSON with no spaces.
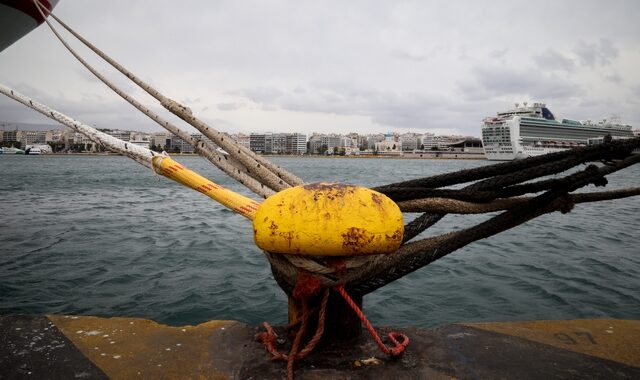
{"x":229,"y":106}
{"x":260,"y":95}
{"x":500,"y":53}
{"x":613,"y":78}
{"x":388,"y":108}
{"x":596,"y":54}
{"x":506,"y":81}
{"x":91,"y":109}
{"x":553,"y":60}
{"x":409,"y":55}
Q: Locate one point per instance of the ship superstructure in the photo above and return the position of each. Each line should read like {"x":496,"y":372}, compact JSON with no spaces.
{"x":532,"y":130}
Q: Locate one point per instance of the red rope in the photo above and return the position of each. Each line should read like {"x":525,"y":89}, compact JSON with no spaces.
{"x":399,"y":340}
{"x":306,"y":286}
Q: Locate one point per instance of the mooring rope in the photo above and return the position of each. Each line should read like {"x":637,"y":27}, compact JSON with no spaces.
{"x":379,"y":270}
{"x":160,"y":163}
{"x":489,"y":189}
{"x":412,"y":256}
{"x":229,"y":166}
{"x":452,"y":206}
{"x":266,"y":172}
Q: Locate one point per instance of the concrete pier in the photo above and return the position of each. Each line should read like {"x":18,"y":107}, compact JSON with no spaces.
{"x":68,"y":347}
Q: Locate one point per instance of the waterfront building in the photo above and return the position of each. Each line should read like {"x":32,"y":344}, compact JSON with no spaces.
{"x":161,"y":139}
{"x":372,"y":140}
{"x":409,"y":141}
{"x":468,"y":144}
{"x":389,"y":144}
{"x":9,"y":136}
{"x":278,"y":143}
{"x":324,"y":144}
{"x":242,"y":139}
{"x":296,"y":143}
{"x":31,"y":137}
{"x":119,"y":134}
{"x":261,"y":142}
{"x":179,"y":145}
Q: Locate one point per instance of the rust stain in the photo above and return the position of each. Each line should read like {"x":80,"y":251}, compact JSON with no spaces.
{"x":325,"y":186}
{"x":287,"y":236}
{"x":328,"y":190}
{"x":355,"y":239}
{"x":397,"y":235}
{"x":376,"y":199}
{"x":273,"y":227}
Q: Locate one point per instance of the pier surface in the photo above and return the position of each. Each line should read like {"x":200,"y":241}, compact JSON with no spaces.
{"x":67,"y":347}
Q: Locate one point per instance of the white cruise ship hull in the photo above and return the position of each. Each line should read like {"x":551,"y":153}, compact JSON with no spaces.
{"x":516,"y":137}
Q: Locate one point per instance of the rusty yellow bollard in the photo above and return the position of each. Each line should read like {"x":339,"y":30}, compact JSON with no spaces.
{"x":330,"y":220}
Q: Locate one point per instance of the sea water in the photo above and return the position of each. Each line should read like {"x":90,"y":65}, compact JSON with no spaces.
{"x":102,"y":235}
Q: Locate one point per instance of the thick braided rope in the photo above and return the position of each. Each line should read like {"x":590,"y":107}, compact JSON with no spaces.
{"x":469,"y":175}
{"x":483,"y":192}
{"x":419,"y":224}
{"x":139,"y":154}
{"x":231,"y":167}
{"x":269,"y":174}
{"x":452,"y":206}
{"x":160,"y":164}
{"x":382,"y":269}
{"x":412,"y":256}
{"x":492,"y":187}
{"x":578,"y":156}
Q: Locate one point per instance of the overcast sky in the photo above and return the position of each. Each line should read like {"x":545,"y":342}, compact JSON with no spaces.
{"x":338,"y":66}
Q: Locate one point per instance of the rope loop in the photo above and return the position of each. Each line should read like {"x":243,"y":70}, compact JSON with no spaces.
{"x":400,"y":341}
{"x":307,"y":287}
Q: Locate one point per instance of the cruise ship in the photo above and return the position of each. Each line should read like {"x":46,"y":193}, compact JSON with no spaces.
{"x":532,"y":130}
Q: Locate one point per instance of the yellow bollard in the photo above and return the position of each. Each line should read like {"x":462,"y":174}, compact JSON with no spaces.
{"x":328,"y":219}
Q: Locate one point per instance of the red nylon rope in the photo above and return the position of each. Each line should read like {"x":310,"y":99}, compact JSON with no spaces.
{"x":399,"y":340}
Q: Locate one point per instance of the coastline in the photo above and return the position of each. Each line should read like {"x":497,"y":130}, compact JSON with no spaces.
{"x":409,"y":156}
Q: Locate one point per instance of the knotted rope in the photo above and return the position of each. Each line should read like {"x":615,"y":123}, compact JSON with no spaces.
{"x":307,"y":287}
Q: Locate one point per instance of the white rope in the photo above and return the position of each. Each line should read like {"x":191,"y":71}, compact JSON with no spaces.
{"x":230,"y":166}
{"x":140,"y":154}
{"x":259,"y":167}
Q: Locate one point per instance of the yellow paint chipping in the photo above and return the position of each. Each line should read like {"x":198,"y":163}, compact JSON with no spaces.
{"x":126,"y":348}
{"x":328,"y":219}
{"x":612,"y":339}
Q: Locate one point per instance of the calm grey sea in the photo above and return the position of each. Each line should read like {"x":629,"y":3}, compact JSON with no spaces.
{"x":103,"y":236}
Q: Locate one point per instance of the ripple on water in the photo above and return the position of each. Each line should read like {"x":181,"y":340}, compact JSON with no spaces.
{"x":111,"y":240}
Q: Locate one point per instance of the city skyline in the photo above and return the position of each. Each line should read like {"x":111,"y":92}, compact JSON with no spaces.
{"x":360,"y":67}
